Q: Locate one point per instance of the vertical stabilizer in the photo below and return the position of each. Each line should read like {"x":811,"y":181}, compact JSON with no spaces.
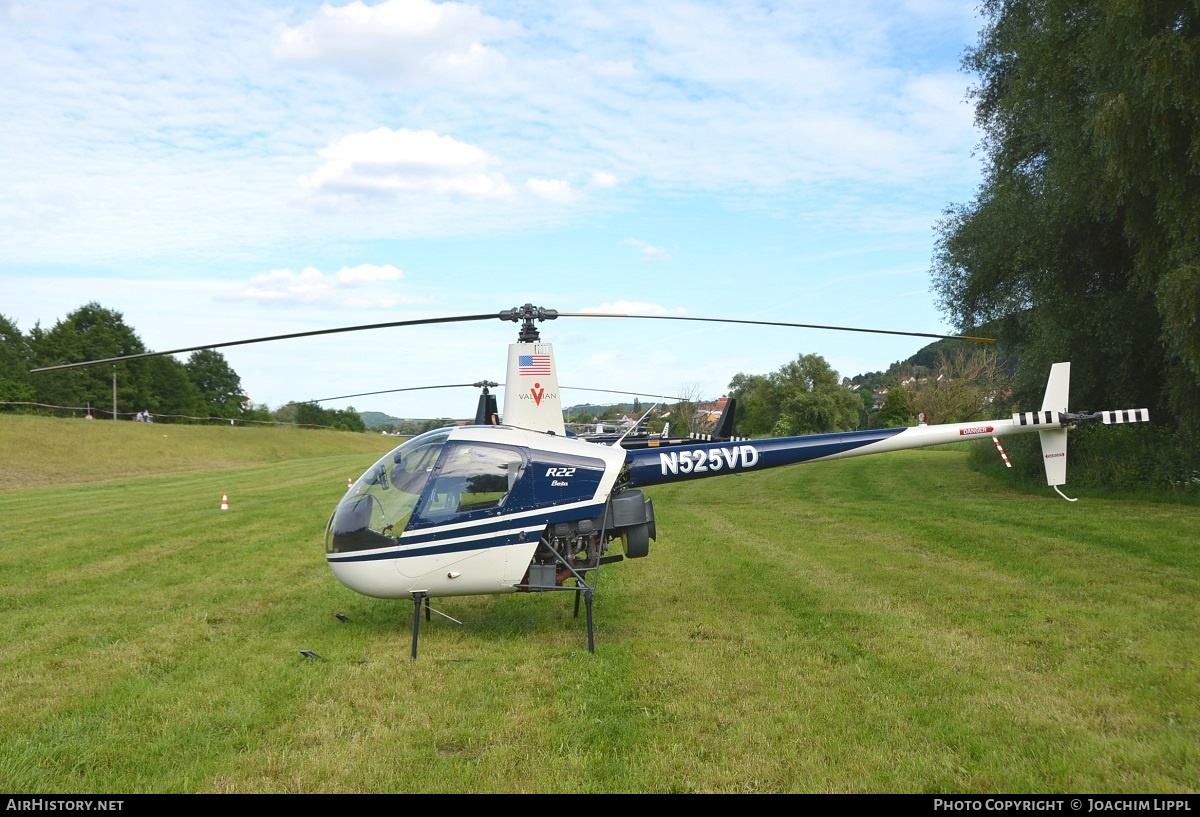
{"x":531,"y":395}
{"x":1054,"y":441}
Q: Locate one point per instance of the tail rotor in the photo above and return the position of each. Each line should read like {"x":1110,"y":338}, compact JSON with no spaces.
{"x":1057,"y":419}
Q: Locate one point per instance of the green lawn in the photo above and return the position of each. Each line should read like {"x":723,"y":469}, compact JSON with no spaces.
{"x":885,"y":624}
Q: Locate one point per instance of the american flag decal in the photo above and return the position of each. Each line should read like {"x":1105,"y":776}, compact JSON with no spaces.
{"x":533,"y":364}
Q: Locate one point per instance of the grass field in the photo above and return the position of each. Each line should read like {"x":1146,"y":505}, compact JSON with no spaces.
{"x":885,"y":624}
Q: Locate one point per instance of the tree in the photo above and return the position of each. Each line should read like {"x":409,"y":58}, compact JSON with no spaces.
{"x":167,"y":389}
{"x":90,"y":333}
{"x":219,"y":387}
{"x":682,"y":414}
{"x":897,"y":410}
{"x":802,"y":397}
{"x":1083,"y":243}
{"x":348,"y":420}
{"x":15,"y":355}
{"x":964,"y":387}
{"x":756,"y":408}
{"x":312,"y":415}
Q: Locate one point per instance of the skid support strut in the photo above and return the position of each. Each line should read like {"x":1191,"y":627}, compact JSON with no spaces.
{"x":581,"y":586}
{"x":417,"y":599}
{"x":587,"y":600}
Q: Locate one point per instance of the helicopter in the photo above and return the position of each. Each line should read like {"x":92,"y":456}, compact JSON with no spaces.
{"x":520,"y":506}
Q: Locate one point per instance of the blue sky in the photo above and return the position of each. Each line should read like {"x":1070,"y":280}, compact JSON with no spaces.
{"x":222,"y":170}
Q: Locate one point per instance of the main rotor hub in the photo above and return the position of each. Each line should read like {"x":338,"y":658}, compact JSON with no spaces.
{"x":527,"y":315}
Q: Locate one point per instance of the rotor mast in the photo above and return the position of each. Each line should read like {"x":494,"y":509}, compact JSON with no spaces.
{"x":531,"y":398}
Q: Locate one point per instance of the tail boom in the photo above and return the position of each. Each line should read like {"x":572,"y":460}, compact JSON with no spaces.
{"x":651,"y":467}
{"x":657,"y":466}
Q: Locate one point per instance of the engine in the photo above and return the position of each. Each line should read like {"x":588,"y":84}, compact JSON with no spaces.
{"x":570,"y":549}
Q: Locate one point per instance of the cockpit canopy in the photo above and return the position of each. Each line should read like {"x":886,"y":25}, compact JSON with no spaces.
{"x":434,"y":479}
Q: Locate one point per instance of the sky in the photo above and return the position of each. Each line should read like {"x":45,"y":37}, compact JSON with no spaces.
{"x":224,"y":170}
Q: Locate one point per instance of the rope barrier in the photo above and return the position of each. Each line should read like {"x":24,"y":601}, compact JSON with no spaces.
{"x":98,"y":411}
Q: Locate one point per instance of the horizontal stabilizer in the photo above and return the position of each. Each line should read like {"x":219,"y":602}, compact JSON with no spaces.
{"x":1038,"y":418}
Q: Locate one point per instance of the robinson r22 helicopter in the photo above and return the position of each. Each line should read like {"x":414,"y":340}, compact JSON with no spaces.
{"x":519,"y":506}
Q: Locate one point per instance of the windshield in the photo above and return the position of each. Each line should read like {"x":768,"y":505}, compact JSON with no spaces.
{"x":377,"y":508}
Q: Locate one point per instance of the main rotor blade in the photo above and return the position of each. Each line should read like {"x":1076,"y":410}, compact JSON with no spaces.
{"x":773,"y":323}
{"x":384,"y":391}
{"x":616,"y":391}
{"x":491,"y":316}
{"x":476,"y":385}
{"x":528,"y":315}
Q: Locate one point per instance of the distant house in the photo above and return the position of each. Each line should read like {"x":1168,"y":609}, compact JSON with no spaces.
{"x":709,"y":412}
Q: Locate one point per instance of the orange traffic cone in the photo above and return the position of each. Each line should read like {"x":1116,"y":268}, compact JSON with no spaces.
{"x":349,"y":483}
{"x":224,"y":502}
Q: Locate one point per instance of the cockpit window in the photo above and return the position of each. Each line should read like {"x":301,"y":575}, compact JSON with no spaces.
{"x":472,"y":477}
{"x":377,"y":508}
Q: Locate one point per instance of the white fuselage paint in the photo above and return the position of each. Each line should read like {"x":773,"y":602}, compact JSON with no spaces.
{"x":471,"y":571}
{"x":921,"y":436}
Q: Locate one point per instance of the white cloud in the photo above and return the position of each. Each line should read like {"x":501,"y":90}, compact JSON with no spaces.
{"x":552,"y":190}
{"x":398,"y":39}
{"x":368,"y":274}
{"x":649,"y":251}
{"x":402,"y":164}
{"x":602,"y":179}
{"x":311,"y":286}
{"x":152,"y":131}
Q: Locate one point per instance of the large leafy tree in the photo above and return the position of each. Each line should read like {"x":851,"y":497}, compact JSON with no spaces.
{"x":1083,"y":243}
{"x":90,"y":333}
{"x":160,"y":385}
{"x":219,"y":386}
{"x":802,"y":397}
{"x":167,"y":388}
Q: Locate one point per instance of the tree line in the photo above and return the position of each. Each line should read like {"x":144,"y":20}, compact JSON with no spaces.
{"x":945,"y":382}
{"x":1083,"y":241}
{"x":203,"y":387}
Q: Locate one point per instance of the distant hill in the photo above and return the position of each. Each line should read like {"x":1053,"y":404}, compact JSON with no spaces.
{"x":374,"y":419}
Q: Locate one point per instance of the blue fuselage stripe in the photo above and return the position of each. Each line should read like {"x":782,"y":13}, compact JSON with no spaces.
{"x":499,"y":533}
{"x":650,"y":466}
